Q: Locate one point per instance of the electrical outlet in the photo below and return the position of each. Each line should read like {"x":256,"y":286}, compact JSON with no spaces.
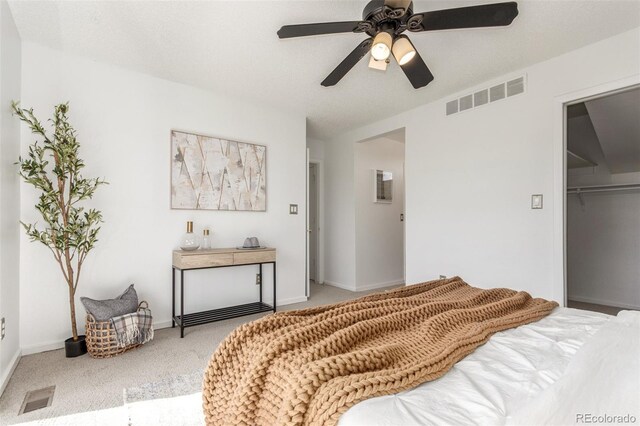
{"x":2,"y":328}
{"x":257,"y":279}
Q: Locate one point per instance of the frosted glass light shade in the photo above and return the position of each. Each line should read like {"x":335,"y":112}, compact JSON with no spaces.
{"x":381,"y":48}
{"x":403,"y":50}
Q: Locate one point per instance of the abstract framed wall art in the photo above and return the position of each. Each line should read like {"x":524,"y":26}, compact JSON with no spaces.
{"x":209,"y":173}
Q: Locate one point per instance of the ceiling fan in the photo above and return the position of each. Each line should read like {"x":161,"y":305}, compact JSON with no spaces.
{"x":385,"y":21}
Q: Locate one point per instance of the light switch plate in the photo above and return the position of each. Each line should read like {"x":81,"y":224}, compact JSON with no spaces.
{"x":2,"y":328}
{"x":293,"y":209}
{"x":536,"y":201}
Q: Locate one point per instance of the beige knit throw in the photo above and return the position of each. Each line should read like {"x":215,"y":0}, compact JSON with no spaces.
{"x":307,"y":367}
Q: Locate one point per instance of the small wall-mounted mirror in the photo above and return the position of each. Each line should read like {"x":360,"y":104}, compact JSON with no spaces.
{"x":383,"y":186}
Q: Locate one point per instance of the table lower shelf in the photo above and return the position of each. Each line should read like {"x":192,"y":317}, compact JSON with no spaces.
{"x":213,"y":315}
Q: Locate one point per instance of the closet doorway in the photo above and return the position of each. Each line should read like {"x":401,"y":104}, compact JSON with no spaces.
{"x":603,"y":202}
{"x":314,"y":222}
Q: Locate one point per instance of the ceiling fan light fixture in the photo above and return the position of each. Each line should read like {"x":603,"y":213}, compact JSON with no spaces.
{"x":378,"y":65}
{"x":403,"y":50}
{"x":381,"y":48}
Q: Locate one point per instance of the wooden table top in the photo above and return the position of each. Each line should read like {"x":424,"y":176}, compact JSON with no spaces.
{"x":220,"y":251}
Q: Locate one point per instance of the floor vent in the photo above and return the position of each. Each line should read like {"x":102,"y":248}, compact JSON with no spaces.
{"x":37,"y":399}
{"x":486,"y":96}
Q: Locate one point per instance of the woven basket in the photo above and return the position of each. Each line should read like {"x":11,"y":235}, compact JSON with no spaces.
{"x":101,"y":337}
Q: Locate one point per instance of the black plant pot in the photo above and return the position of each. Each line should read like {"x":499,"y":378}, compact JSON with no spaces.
{"x":75,"y":348}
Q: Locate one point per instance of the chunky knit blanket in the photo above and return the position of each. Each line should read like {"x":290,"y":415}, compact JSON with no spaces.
{"x":307,"y":367}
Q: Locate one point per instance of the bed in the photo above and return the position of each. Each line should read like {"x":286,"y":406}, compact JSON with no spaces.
{"x":484,"y":357}
{"x":568,"y":364}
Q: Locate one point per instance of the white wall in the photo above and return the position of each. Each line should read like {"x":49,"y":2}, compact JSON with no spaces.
{"x":379,"y":231}
{"x":339,"y":229}
{"x":123,"y":120}
{"x":316,"y":149}
{"x":9,"y":193}
{"x":603,"y":248}
{"x":470,"y":176}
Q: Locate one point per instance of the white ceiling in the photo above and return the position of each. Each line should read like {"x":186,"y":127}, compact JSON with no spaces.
{"x":231,"y":47}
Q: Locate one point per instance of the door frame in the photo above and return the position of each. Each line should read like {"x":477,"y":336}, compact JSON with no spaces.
{"x":320,"y":221}
{"x":560,"y":103}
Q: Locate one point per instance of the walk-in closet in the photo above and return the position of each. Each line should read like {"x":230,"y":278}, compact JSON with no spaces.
{"x":603,"y":202}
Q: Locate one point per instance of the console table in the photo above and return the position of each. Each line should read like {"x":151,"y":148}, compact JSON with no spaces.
{"x":219,"y":258}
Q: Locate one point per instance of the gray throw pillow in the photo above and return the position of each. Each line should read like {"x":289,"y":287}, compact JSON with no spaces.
{"x":103,"y":310}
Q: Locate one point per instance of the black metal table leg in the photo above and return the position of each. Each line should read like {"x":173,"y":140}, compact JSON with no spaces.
{"x":181,"y":303}
{"x":260,"y":274}
{"x":197,"y":318}
{"x":173,"y":297}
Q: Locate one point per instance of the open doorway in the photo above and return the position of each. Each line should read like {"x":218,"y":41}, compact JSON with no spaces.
{"x":602,"y":205}
{"x":379,"y":211}
{"x":314,"y":220}
{"x":313,"y":227}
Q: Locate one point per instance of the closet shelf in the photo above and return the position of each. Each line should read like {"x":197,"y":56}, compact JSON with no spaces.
{"x":603,"y":188}
{"x":575,"y":161}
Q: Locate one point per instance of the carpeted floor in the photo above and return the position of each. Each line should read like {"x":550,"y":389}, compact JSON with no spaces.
{"x":95,"y":387}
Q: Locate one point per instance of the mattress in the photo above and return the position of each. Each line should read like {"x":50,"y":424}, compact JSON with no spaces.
{"x":491,"y":384}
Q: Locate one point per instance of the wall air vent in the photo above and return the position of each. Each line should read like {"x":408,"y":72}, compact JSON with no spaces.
{"x":485,"y":96}
{"x":496,"y":92}
{"x":481,"y":97}
{"x":452,"y":107}
{"x":515,"y":87}
{"x":466,"y":102}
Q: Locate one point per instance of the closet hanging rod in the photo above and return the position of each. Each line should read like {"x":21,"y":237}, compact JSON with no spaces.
{"x":603,"y":188}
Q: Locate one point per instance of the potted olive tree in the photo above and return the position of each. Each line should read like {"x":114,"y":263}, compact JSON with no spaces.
{"x":53,"y":168}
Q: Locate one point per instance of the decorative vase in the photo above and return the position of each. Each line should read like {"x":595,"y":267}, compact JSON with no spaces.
{"x":206,"y":240}
{"x":74,"y":348}
{"x":189,"y":240}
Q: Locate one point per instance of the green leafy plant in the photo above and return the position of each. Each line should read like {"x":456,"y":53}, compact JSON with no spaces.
{"x":54,"y":169}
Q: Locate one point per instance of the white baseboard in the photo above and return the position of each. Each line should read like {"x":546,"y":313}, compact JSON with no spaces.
{"x":50,"y":346}
{"x":162,"y":324}
{"x":380,"y":285}
{"x":6,"y":375}
{"x":339,"y":285}
{"x":602,"y":302}
{"x":292,"y":300}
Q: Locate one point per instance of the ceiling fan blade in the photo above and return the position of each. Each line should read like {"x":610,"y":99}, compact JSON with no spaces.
{"x":398,"y":4}
{"x":486,"y":15}
{"x":417,"y":71}
{"x":343,"y":68}
{"x":302,"y":30}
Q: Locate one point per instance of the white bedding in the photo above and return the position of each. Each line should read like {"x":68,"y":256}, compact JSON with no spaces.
{"x":503,"y":380}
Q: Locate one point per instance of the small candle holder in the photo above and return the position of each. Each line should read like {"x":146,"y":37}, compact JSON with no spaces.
{"x":206,"y":240}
